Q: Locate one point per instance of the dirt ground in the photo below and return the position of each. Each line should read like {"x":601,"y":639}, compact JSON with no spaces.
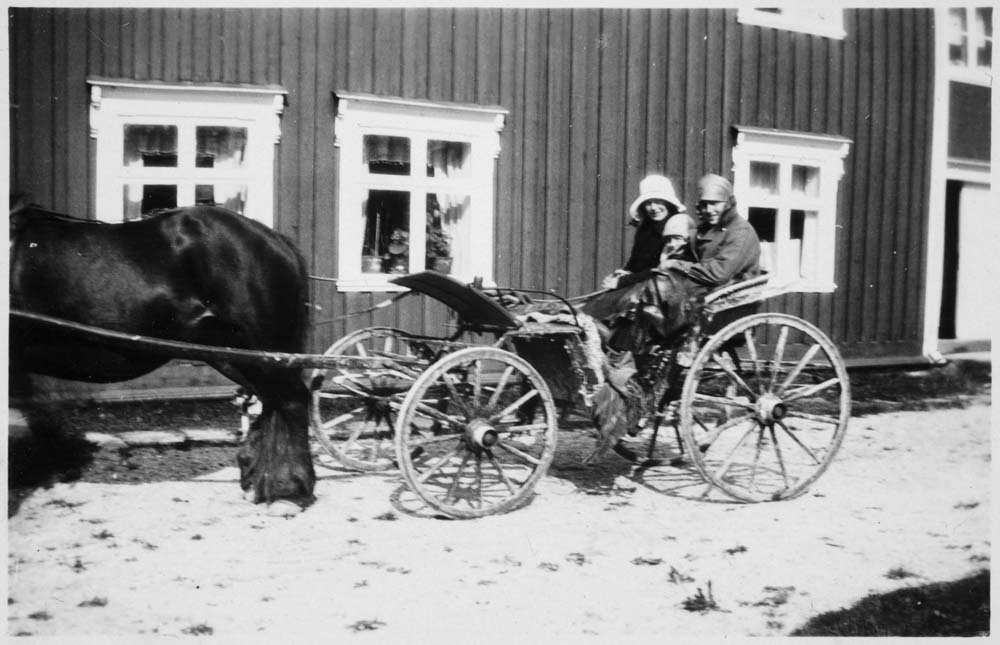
{"x":601,"y":554}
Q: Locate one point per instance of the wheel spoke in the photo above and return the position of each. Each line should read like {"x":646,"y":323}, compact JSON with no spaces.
{"x":718,"y":400}
{"x":444,"y":438}
{"x":781,"y":460}
{"x":754,"y":357}
{"x":436,"y":414}
{"x":513,"y":406}
{"x":758,"y":449}
{"x":501,"y":384}
{"x":794,"y":374}
{"x":455,"y":478}
{"x":799,"y":442}
{"x":801,"y":393}
{"x":479,"y":481}
{"x":779,"y":352}
{"x":522,"y":429}
{"x":503,"y":475}
{"x":441,"y":462}
{"x":477,"y":385}
{"x":350,"y":441}
{"x":518,"y":453}
{"x":450,"y":383}
{"x":713,"y":433}
{"x":819,"y":418}
{"x":727,"y":464}
{"x":733,"y":376}
{"x":344,"y":417}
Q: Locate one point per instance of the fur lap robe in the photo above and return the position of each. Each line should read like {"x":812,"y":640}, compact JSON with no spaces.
{"x":616,"y":404}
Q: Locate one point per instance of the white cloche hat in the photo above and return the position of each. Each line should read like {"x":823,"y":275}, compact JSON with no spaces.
{"x":655,"y":187}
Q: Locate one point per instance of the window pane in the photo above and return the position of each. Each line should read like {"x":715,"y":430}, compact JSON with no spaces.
{"x":386,"y":243}
{"x":764,"y":221}
{"x":984,"y":21}
{"x":958,"y":42}
{"x":220,"y":147}
{"x":449,"y":232}
{"x":446,"y":159}
{"x":387,"y":155}
{"x":803,"y":243}
{"x":140,"y":199}
{"x":984,"y":54}
{"x":150,"y":146}
{"x":805,"y":181}
{"x":764,"y":177}
{"x":231,"y":196}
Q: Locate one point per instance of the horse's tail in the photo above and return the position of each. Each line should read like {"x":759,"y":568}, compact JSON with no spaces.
{"x":275,"y":462}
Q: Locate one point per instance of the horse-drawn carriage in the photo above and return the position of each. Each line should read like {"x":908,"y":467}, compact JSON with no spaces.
{"x":758,"y":405}
{"x":759,"y":409}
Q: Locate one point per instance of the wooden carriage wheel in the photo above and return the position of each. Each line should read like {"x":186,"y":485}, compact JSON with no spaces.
{"x":765,"y":425}
{"x":476,"y":432}
{"x":354,"y":409}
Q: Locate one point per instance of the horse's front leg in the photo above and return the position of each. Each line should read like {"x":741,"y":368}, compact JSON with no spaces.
{"x":274,"y":459}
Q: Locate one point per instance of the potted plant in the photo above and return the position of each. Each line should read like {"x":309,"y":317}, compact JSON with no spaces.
{"x":438,"y":244}
{"x":399,"y":251}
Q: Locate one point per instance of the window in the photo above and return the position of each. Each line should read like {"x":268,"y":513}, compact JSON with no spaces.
{"x":970,"y":43}
{"x":416,"y":189}
{"x":808,"y":18}
{"x":786,"y":184}
{"x":163,"y":146}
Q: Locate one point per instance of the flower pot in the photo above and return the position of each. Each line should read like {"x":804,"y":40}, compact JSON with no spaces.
{"x":441,"y":265}
{"x":398,"y":265}
{"x":371,"y":264}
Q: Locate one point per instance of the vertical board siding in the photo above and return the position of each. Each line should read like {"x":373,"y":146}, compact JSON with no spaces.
{"x":597,"y":98}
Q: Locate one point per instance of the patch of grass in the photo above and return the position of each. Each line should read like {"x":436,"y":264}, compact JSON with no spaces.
{"x":40,"y":615}
{"x":200,"y":629}
{"x":883,"y":389}
{"x":646,"y":560}
{"x":958,"y":608}
{"x":700,"y":602}
{"x":899,"y":573}
{"x":366,"y":625}
{"x":94,"y":602}
{"x":776,"y":597}
{"x":677,"y":577}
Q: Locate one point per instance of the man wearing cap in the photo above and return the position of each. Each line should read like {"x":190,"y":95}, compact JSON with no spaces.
{"x":726,"y":247}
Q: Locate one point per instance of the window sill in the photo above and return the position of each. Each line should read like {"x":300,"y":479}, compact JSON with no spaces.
{"x":370,"y":282}
{"x":808,"y":286}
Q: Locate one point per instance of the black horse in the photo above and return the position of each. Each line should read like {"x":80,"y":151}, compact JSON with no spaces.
{"x":199,"y":274}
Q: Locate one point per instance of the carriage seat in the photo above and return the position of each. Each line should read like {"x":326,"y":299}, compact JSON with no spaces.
{"x":734,"y":301}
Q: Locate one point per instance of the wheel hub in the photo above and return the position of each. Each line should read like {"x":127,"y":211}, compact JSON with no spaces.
{"x":771,"y":408}
{"x":481,"y":434}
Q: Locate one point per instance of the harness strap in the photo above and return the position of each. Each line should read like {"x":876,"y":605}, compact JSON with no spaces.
{"x":376,"y":307}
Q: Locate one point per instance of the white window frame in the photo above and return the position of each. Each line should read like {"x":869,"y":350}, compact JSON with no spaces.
{"x":816,"y":19}
{"x":365,"y":114}
{"x":967,"y":71}
{"x":787,"y":148}
{"x":115,"y":103}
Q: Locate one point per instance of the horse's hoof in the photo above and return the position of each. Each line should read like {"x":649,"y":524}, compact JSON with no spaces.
{"x":283,"y":508}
